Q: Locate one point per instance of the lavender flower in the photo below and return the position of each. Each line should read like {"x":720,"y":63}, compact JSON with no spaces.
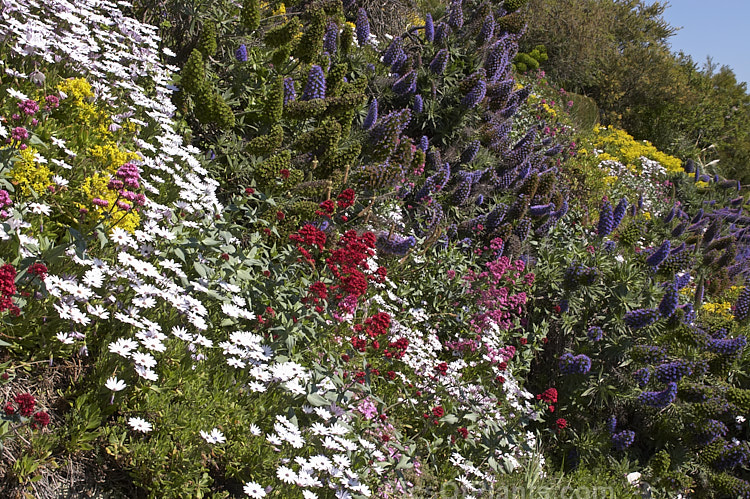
{"x":429,"y":28}
{"x":742,"y":305}
{"x":658,"y":256}
{"x":424,"y":143}
{"x":669,"y":301}
{"x":418,"y":104}
{"x":439,"y":62}
{"x":441,"y":33}
{"x":488,"y":29}
{"x":331,"y":38}
{"x":619,"y":213}
{"x":595,"y":333}
{"x":579,"y":364}
{"x":640,"y":318}
{"x":612,"y":423}
{"x":241,"y":53}
{"x":456,"y":16}
{"x":372,"y":114}
{"x":606,"y":219}
{"x":540,"y":210}
{"x":407,"y":84}
{"x":710,"y":431}
{"x":394,"y":50}
{"x":395,"y":244}
{"x":672,"y":371}
{"x":315,"y":88}
{"x":623,"y":440}
{"x":642,"y":376}
{"x":727,"y":346}
{"x":363,"y":27}
{"x":660,"y":399}
{"x":289,"y":94}
{"x":475,"y":95}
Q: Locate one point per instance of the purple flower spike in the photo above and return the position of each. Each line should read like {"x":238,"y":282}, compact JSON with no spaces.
{"x":363,"y":27}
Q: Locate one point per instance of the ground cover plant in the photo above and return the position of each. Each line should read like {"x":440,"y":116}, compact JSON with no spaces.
{"x":257,"y":251}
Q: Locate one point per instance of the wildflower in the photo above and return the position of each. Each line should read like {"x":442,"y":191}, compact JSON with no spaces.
{"x":658,"y":256}
{"x":606,"y":219}
{"x":561,"y":423}
{"x":669,"y":301}
{"x":640,"y":318}
{"x":363,"y":27}
{"x":286,"y":475}
{"x":26,"y":403}
{"x":115,"y":384}
{"x":139,"y":424}
{"x":595,"y":333}
{"x":214,"y":437}
{"x":429,"y":28}
{"x":254,"y":490}
{"x":241,"y":53}
{"x":623,"y":440}
{"x":41,"y":418}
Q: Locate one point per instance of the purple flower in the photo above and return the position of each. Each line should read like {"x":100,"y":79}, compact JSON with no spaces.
{"x":606,"y":219}
{"x":727,"y":346}
{"x":640,"y":318}
{"x":424,"y":143}
{"x":488,"y":29}
{"x":623,"y":440}
{"x":394,"y":50}
{"x":395,"y":244}
{"x":363,"y":27}
{"x":669,"y":301}
{"x":470,"y":153}
{"x":315,"y":88}
{"x":595,"y":333}
{"x":612,"y":423}
{"x":619,"y":213}
{"x":742,"y":305}
{"x":241,"y":53}
{"x":578,"y":364}
{"x":289,"y":94}
{"x":441,"y":33}
{"x":372,"y":114}
{"x":672,"y":371}
{"x":331,"y":38}
{"x":429,"y":28}
{"x":658,"y":256}
{"x":407,"y":84}
{"x":475,"y":95}
{"x":418,"y":104}
{"x":456,"y":16}
{"x":540,"y":210}
{"x":642,"y":376}
{"x":439,"y":62}
{"x":660,"y":399}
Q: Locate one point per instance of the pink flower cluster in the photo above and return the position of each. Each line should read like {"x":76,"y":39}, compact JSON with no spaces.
{"x":127,"y":177}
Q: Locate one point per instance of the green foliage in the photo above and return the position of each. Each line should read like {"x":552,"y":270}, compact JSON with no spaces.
{"x":207,"y":40}
{"x":250,"y":14}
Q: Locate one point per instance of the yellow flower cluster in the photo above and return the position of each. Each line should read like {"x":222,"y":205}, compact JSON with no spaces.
{"x":722,"y":309}
{"x":549,"y":110}
{"x":623,"y":147}
{"x":414,"y":19}
{"x":79,"y":101}
{"x":29,"y":175}
{"x":280,"y":10}
{"x":111,"y":156}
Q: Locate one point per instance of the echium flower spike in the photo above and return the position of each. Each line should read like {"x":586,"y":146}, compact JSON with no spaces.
{"x":372,"y":115}
{"x":315,"y":88}
{"x":669,"y":301}
{"x":393,"y":51}
{"x":488,"y":29}
{"x":429,"y":28}
{"x":475,"y":95}
{"x":363,"y":27}
{"x":623,"y":440}
{"x":660,"y":399}
{"x":241,"y":53}
{"x":595,"y":333}
{"x":742,"y":305}
{"x":456,"y":16}
{"x":471,"y":151}
{"x":619,"y":213}
{"x":331,"y":38}
{"x":606,"y":219}
{"x":407,"y":84}
{"x":418,"y":104}
{"x":289,"y":93}
{"x":439,"y":62}
{"x":658,"y":256}
{"x":640,"y":318}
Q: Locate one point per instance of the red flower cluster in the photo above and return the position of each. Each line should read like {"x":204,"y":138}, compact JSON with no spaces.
{"x":561,"y":424}
{"x":549,"y":395}
{"x":396,"y":349}
{"x":442,"y":368}
{"x":326,"y":208}
{"x":26,"y":403}
{"x":463,"y":432}
{"x":39,"y":270}
{"x":346,"y":198}
{"x":309,"y":236}
{"x":8,"y":289}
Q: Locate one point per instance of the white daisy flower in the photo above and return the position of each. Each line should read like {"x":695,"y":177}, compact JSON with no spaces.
{"x":214,"y":437}
{"x":286,"y":475}
{"x":139,"y":424}
{"x":254,"y":490}
{"x":115,"y":384}
{"x":40,"y":209}
{"x":65,"y":338}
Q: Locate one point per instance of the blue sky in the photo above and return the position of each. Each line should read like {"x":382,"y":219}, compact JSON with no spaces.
{"x":719,"y":28}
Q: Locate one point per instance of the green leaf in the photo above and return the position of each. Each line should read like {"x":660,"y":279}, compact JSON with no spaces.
{"x":317,"y":400}
{"x":404,"y":463}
